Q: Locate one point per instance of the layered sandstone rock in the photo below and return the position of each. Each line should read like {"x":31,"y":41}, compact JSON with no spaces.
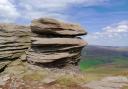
{"x":56,"y":27}
{"x":14,"y":41}
{"x":55,"y":43}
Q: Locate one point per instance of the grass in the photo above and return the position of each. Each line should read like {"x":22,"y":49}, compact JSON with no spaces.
{"x":93,"y":63}
{"x":96,"y":68}
{"x":126,"y":87}
{"x":71,"y":79}
{"x":35,"y":75}
{"x":89,"y":63}
{"x":94,"y":76}
{"x":65,"y":80}
{"x":85,"y":77}
{"x":93,"y":69}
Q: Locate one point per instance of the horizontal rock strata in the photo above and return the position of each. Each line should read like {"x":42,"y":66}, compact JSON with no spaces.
{"x":55,"y":42}
{"x":58,"y":41}
{"x":52,"y":26}
{"x":14,"y":41}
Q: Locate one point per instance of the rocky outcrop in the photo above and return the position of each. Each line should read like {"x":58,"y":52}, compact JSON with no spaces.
{"x":55,"y":43}
{"x":14,"y":41}
{"x":55,"y":27}
{"x":52,"y":43}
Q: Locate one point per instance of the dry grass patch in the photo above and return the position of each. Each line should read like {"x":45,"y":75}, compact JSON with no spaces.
{"x":125,"y":87}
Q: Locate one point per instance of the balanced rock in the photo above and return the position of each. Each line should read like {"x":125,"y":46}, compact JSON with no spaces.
{"x":55,"y":27}
{"x":14,"y":41}
{"x":55,"y":43}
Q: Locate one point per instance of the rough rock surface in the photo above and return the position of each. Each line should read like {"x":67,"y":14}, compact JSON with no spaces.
{"x":56,"y":27}
{"x":55,"y":42}
{"x":23,"y":75}
{"x":14,"y":41}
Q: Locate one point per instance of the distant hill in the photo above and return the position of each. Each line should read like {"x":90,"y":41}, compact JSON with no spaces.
{"x":104,"y":51}
{"x":95,"y":56}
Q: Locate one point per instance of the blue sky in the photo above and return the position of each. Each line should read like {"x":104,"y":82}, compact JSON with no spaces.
{"x":105,"y":20}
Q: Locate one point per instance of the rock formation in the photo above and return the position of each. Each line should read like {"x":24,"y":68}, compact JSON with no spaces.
{"x":49,"y":43}
{"x":55,"y":43}
{"x":14,"y":41}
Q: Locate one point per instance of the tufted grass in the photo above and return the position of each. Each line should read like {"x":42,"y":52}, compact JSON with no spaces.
{"x":125,"y":87}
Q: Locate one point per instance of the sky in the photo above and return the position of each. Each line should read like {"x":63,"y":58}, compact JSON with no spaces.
{"x":106,"y":21}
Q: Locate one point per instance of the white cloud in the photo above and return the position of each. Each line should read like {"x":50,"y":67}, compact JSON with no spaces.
{"x":56,"y":4}
{"x":116,"y":34}
{"x":48,"y":8}
{"x":120,"y":27}
{"x":7,"y":11}
{"x":29,"y":9}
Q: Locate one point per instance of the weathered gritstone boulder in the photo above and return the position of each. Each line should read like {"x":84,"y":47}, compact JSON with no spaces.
{"x":14,"y":41}
{"x":55,"y":43}
{"x":47,"y":26}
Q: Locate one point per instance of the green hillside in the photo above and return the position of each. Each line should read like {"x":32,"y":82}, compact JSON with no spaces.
{"x":97,"y":58}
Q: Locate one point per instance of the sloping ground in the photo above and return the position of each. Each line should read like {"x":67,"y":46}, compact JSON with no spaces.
{"x":20,"y":84}
{"x":104,"y":56}
{"x":26,"y":76}
{"x":104,"y":51}
{"x":21,"y":75}
{"x":117,"y":82}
